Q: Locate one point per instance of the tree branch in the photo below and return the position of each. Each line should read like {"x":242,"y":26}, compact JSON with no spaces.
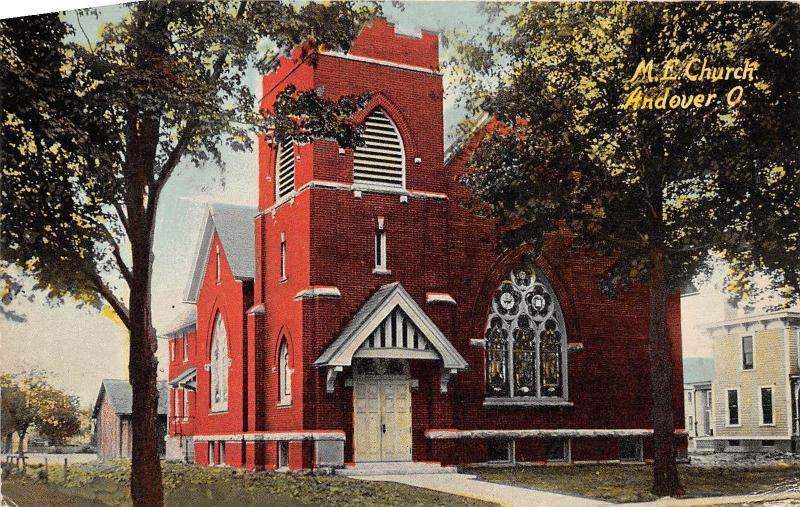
{"x":118,"y":306}
{"x":123,"y":218}
{"x":186,"y":136}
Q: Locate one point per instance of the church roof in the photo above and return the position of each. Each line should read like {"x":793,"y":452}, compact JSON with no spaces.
{"x":185,"y":321}
{"x":120,"y":395}
{"x":372,"y":314}
{"x":234,"y":226}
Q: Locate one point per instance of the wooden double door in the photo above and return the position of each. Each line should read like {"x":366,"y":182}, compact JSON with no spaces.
{"x":382,"y":418}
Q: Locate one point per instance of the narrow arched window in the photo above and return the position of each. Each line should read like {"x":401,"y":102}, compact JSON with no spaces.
{"x":381,"y":161}
{"x":220,"y":362}
{"x":285,"y":379}
{"x":525,"y":339}
{"x":284,"y":170}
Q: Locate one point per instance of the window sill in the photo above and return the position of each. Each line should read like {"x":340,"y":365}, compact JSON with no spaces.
{"x":381,"y":271}
{"x":284,"y":404}
{"x":283,"y":280}
{"x":767,"y":425}
{"x":218,"y":412}
{"x":526,"y":402}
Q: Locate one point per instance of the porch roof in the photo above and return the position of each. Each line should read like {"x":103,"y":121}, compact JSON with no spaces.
{"x":374,"y":311}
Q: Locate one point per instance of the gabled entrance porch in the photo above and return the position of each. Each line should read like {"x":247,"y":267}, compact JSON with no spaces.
{"x":389,"y":332}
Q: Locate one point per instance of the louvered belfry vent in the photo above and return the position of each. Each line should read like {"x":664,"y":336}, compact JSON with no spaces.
{"x":380,"y":161}
{"x":284,"y":169}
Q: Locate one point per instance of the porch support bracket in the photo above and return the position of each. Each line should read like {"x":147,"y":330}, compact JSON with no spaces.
{"x":330,"y":382}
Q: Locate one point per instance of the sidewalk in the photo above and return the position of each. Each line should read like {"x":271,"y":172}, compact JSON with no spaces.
{"x":468,"y":486}
{"x":512,"y":496}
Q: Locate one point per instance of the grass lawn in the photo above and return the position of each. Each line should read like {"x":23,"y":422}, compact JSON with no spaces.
{"x":195,"y":486}
{"x":630,"y":483}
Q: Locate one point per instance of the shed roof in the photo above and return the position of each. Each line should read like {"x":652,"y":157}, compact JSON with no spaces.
{"x":120,"y":395}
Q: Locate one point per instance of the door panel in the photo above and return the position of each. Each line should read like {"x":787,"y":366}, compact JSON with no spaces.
{"x":382,"y":420}
{"x":366,"y":398}
{"x":396,"y":412}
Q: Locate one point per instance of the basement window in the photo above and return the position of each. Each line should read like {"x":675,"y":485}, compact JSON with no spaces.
{"x":499,"y":451}
{"x":283,"y":455}
{"x":557,"y":450}
{"x":630,"y":449}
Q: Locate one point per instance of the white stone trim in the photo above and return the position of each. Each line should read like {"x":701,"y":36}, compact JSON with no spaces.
{"x":520,"y":401}
{"x":735,"y":437}
{"x":256,"y":310}
{"x":445,"y":434}
{"x":267,"y":436}
{"x":318,"y":292}
{"x":357,"y":190}
{"x":439,"y":297}
{"x":383,"y":63}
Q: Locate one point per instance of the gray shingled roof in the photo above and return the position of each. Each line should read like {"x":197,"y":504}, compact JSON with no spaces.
{"x":235,"y":227}
{"x":234,"y":224}
{"x":391,"y":294}
{"x":363,"y":313}
{"x":186,"y":319}
{"x":120,"y":395}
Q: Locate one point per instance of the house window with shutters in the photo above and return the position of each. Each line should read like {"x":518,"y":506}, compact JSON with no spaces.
{"x":284,"y":170}
{"x":220,"y":362}
{"x":380,"y":162}
{"x":526,"y":340}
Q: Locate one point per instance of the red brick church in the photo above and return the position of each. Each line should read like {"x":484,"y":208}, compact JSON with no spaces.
{"x":360,"y":314}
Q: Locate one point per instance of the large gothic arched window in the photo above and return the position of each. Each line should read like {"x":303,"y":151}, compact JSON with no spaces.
{"x":525,"y":339}
{"x":220,"y":362}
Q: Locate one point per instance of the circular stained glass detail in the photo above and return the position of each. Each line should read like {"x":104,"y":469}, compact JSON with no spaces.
{"x":525,"y":338}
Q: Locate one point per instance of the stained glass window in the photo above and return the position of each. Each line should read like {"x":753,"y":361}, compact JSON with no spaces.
{"x":525,"y":339}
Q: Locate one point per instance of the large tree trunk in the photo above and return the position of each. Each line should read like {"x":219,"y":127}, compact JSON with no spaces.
{"x":146,"y":487}
{"x":665,"y":472}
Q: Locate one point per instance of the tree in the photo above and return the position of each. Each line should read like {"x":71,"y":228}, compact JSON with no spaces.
{"x":58,"y":417}
{"x":93,"y":132}
{"x":29,"y":400}
{"x":654,"y":189}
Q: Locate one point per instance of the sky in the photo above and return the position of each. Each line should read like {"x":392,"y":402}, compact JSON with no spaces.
{"x":80,"y":347}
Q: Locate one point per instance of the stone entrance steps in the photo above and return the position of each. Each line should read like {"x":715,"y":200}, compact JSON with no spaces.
{"x":395,"y":468}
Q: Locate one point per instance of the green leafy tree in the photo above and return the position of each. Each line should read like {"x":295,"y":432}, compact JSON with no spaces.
{"x":93,"y":132}
{"x":58,"y":417}
{"x":29,"y":400}
{"x":655,"y":190}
